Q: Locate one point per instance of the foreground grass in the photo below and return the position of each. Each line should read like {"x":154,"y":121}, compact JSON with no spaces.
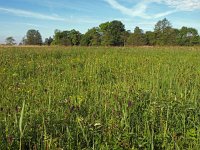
{"x":99,"y":98}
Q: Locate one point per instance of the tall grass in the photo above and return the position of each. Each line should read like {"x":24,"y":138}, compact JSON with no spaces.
{"x":100,"y":98}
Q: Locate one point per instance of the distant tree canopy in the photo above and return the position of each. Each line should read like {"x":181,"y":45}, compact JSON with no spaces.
{"x":10,"y":41}
{"x":67,"y":38}
{"x":137,"y":38}
{"x":48,"y":41}
{"x":114,"y":34}
{"x":33,"y":37}
{"x":188,"y":36}
{"x":91,"y":38}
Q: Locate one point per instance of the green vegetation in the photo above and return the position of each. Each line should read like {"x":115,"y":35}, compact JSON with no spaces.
{"x":114,"y":34}
{"x":33,"y":37}
{"x":67,"y":38}
{"x":10,"y":41}
{"x":100,"y":98}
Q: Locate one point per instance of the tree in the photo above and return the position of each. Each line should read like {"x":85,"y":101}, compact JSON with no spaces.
{"x":91,"y":38}
{"x":23,"y":41}
{"x":67,"y":38}
{"x":125,"y":36}
{"x":75,"y":37}
{"x":10,"y":41}
{"x":151,"y":38}
{"x":112,"y":33}
{"x":61,"y":38}
{"x":199,"y":40}
{"x":164,"y":33}
{"x":162,"y":25}
{"x":33,"y":37}
{"x":105,"y":34}
{"x":137,"y":38}
{"x":188,"y":37}
{"x":48,"y":41}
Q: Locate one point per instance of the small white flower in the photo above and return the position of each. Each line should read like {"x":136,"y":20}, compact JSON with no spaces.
{"x":97,"y":124}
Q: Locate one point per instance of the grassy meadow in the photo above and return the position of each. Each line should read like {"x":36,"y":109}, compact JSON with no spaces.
{"x":57,"y":98}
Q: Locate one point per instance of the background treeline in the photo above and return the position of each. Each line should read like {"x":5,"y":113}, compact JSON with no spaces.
{"x":114,"y":34}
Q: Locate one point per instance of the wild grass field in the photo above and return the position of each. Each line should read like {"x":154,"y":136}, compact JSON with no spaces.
{"x":99,"y":98}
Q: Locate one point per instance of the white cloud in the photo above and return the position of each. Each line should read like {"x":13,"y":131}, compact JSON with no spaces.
{"x":53,"y":17}
{"x":183,"y":5}
{"x":23,"y":13}
{"x":139,"y":10}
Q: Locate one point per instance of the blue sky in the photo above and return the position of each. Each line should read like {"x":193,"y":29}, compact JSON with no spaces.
{"x":18,"y":16}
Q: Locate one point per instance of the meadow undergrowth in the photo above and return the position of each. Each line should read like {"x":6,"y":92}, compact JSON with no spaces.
{"x":100,"y":98}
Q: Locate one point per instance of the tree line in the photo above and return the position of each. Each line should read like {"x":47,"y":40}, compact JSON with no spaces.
{"x":114,"y":34}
